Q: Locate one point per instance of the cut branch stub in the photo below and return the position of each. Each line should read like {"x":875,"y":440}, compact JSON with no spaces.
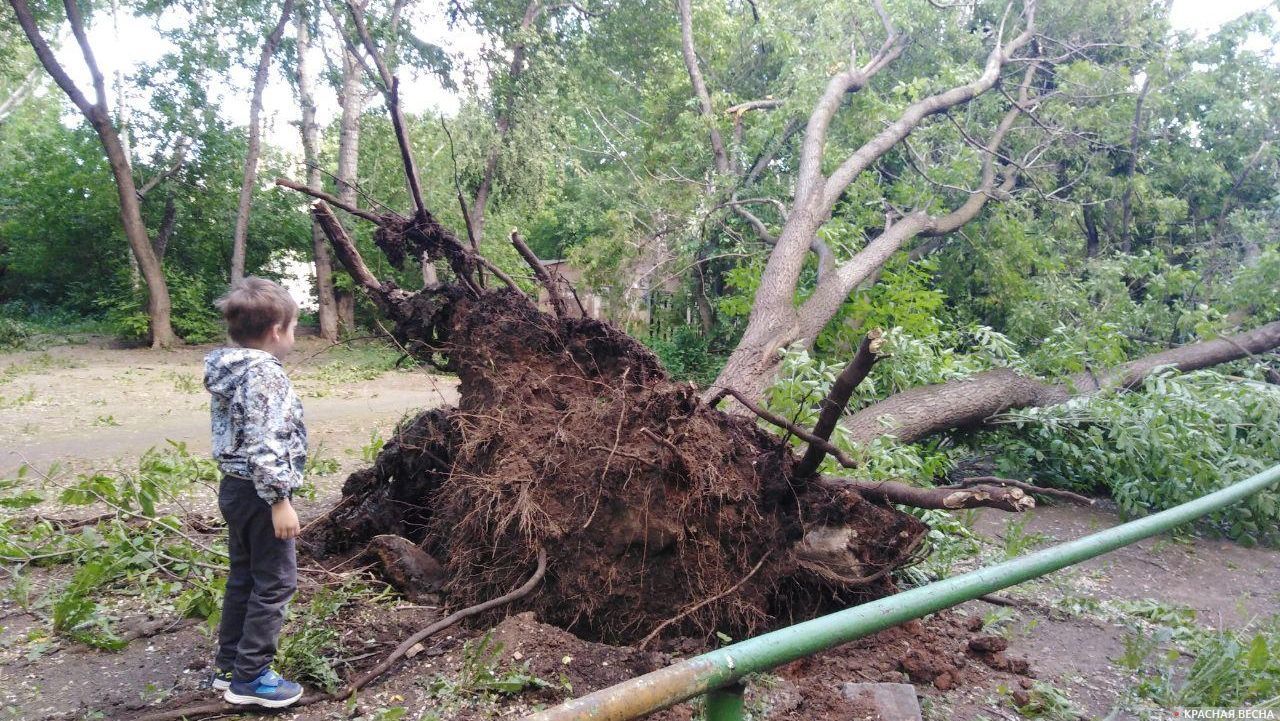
{"x":1005,"y":498}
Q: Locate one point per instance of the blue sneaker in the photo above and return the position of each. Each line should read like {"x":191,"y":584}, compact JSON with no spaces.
{"x":269,"y":690}
{"x":221,"y":679}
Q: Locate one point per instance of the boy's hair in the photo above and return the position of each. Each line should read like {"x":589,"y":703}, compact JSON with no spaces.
{"x":253,"y":307}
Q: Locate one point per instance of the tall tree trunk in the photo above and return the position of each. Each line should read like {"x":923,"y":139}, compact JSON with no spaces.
{"x":502,"y":126}
{"x":1092,"y":243}
{"x":255,"y":144}
{"x":327,"y":307}
{"x":1131,"y":167}
{"x":97,"y":113}
{"x":352,"y":100}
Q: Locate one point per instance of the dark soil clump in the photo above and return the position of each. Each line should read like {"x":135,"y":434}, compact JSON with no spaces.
{"x":660,"y":514}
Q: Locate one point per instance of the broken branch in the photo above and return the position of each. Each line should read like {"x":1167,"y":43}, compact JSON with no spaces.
{"x":540,"y":271}
{"x":943,"y":497}
{"x":834,"y":404}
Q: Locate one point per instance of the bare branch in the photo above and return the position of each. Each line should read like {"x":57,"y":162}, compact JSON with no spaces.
{"x":77,"y":29}
{"x":719,"y":155}
{"x":861,"y":159}
{"x":834,"y":404}
{"x":539,"y":271}
{"x":740,"y":108}
{"x":1005,"y":498}
{"x":50,"y":62}
{"x":343,"y":246}
{"x":330,"y":199}
{"x":179,"y":157}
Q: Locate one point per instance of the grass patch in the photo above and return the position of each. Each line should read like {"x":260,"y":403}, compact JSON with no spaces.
{"x":353,"y":364}
{"x":36,"y":364}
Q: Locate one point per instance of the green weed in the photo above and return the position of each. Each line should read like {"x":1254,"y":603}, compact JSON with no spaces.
{"x":1017,"y":540}
{"x":1048,"y":702}
{"x":482,"y":679}
{"x":185,"y":382}
{"x":311,"y":647}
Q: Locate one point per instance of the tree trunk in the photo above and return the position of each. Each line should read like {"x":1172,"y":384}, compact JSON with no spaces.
{"x":1092,"y":243}
{"x":98,"y":115}
{"x":352,"y":99}
{"x":1131,"y":167}
{"x":917,"y":413}
{"x":502,"y":125}
{"x":160,"y":243}
{"x":327,"y":308}
{"x":255,"y":144}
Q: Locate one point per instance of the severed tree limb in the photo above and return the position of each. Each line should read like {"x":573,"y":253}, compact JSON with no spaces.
{"x":834,"y":404}
{"x":1005,"y":498}
{"x":223,"y":708}
{"x":1038,"y":490}
{"x":539,"y":270}
{"x":345,"y":248}
{"x":333,"y":200}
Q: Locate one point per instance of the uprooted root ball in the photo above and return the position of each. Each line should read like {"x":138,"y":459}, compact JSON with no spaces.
{"x":658,"y":513}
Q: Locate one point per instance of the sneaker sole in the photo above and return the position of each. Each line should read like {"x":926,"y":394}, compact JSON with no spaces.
{"x":221,"y":685}
{"x":231,"y":697}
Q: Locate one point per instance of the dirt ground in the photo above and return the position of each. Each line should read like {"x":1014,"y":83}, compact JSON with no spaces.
{"x":91,"y":406}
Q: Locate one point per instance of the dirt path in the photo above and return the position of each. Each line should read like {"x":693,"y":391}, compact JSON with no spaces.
{"x":86,"y":406}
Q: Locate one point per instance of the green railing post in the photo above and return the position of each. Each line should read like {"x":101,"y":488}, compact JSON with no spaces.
{"x":703,"y":674}
{"x":726,"y":704}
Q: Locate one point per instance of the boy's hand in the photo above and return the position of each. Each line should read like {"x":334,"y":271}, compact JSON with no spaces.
{"x":285,"y":520}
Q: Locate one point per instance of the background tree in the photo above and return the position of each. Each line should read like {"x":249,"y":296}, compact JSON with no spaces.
{"x":98,"y":114}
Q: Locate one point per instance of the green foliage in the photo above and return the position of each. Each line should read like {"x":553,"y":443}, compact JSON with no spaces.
{"x":77,"y":616}
{"x":1048,"y":702}
{"x":135,"y":547}
{"x":1228,"y":668}
{"x":311,"y":645}
{"x":686,"y":356}
{"x":1180,"y":437}
{"x":481,"y":675}
{"x":354,"y":363}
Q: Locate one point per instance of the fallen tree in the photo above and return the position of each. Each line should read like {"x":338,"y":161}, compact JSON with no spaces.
{"x":918,"y":413}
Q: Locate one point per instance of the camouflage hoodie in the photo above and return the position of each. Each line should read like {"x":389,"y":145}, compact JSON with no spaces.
{"x":258,"y":432}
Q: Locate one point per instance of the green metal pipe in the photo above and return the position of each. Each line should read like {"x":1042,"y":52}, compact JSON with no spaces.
{"x":679,"y":682}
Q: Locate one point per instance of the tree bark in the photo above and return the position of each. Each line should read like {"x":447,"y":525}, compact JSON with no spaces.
{"x":160,"y":243}
{"x":159,"y":307}
{"x":920,"y":412}
{"x":1131,"y":167}
{"x":502,"y":124}
{"x":326,"y":304}
{"x":352,"y":100}
{"x":240,"y":234}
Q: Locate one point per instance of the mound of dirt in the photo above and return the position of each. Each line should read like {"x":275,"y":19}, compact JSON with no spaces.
{"x":659,"y":514}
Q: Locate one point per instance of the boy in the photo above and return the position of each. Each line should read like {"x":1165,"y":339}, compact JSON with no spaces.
{"x":260,"y":444}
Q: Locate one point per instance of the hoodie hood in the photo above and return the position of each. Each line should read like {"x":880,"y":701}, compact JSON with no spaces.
{"x":224,"y":367}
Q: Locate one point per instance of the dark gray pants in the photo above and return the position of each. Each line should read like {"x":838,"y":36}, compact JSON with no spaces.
{"x":263,"y":577}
